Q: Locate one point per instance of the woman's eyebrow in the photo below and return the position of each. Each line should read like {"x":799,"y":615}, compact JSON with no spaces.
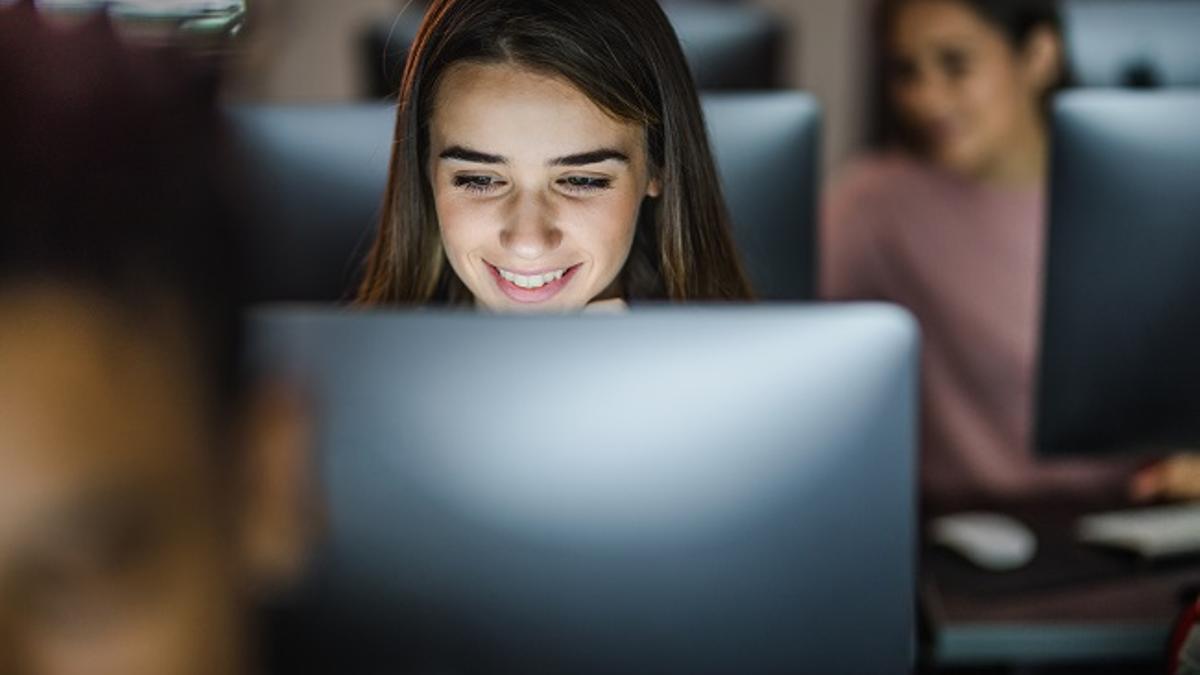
{"x":590,"y":157}
{"x":468,"y":155}
{"x":100,"y":509}
{"x":465,"y":154}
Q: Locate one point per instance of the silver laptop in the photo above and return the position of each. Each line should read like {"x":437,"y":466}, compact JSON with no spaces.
{"x":701,"y":490}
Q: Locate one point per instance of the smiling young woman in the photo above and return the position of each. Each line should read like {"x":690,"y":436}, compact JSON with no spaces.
{"x":550,"y":155}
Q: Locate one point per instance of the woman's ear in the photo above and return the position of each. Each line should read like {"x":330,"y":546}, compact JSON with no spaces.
{"x":654,"y":188}
{"x":1044,"y":59}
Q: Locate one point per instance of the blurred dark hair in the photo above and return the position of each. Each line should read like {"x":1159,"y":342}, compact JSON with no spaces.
{"x":1016,"y":20}
{"x":624,"y":56}
{"x":111,"y":182}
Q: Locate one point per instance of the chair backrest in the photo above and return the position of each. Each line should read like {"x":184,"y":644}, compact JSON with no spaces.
{"x":316,"y":177}
{"x":1133,"y":43}
{"x":728,"y":46}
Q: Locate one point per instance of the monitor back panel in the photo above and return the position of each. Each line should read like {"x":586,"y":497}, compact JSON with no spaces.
{"x":1133,"y":43}
{"x":1120,"y":367}
{"x":700,"y":491}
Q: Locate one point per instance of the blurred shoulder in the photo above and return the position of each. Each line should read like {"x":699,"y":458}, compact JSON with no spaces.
{"x":874,"y":192}
{"x":879,"y":176}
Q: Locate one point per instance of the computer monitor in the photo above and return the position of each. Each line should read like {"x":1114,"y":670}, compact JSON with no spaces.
{"x":728,"y":46}
{"x":1120,"y":354}
{"x":1133,"y":43}
{"x":313,"y":177}
{"x":757,"y":138}
{"x":676,"y":490}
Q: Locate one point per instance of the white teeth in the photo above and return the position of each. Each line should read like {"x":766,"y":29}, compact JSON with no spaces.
{"x":535,"y":281}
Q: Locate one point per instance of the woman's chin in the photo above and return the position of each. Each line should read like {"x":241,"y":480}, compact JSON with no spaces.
{"x":507,"y":306}
{"x":961,"y":158}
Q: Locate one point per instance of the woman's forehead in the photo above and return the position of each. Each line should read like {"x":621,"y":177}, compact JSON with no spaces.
{"x":922,"y":22}
{"x":505,"y":109}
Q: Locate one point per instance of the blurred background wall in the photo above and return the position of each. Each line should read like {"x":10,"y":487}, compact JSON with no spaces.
{"x":828,"y":55}
{"x":309,"y":51}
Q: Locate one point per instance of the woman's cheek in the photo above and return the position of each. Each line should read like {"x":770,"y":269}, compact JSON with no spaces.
{"x":463,"y":225}
{"x":613,"y":232}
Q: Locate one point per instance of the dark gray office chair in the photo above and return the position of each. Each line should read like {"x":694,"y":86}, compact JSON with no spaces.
{"x":728,"y":46}
{"x":316,"y":175}
{"x":1133,"y":43}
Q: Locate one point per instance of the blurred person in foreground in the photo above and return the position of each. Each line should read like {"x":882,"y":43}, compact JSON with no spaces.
{"x":150,"y":491}
{"x":951,"y":225}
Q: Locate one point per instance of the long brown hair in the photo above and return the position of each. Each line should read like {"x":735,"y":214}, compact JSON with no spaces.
{"x":625,"y":57}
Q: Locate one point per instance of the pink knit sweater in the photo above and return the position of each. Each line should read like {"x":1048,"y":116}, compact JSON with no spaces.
{"x":966,"y":260}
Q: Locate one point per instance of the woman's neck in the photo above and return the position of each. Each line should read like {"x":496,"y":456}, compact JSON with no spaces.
{"x":1024,"y":163}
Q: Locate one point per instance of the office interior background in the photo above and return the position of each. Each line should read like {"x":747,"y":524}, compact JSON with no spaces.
{"x":1078,"y":613}
{"x":312,"y":51}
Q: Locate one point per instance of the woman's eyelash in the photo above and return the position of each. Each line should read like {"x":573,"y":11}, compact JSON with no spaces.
{"x":477,"y":183}
{"x":585,"y":183}
{"x":482,"y":184}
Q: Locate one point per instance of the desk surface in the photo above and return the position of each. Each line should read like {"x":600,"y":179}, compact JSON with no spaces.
{"x":1073,"y":604}
{"x":1118,"y":620}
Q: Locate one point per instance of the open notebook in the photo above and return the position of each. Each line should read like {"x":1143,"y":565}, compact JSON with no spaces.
{"x":1156,"y":532}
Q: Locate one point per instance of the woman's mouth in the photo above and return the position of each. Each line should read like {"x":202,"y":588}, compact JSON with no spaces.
{"x":532,"y":286}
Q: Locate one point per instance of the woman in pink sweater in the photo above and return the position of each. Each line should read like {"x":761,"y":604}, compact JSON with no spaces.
{"x":951,"y":225}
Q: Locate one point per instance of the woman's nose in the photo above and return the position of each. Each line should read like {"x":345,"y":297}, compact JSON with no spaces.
{"x":925,"y":97}
{"x":531,"y":231}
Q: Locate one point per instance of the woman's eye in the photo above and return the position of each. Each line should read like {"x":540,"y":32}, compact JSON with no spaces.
{"x":955,"y":64}
{"x":477,"y":183}
{"x":585,"y":183}
{"x":902,"y":71}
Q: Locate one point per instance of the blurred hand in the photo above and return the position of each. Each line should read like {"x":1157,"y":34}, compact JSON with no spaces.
{"x":1175,"y":479}
{"x":612,"y":306}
